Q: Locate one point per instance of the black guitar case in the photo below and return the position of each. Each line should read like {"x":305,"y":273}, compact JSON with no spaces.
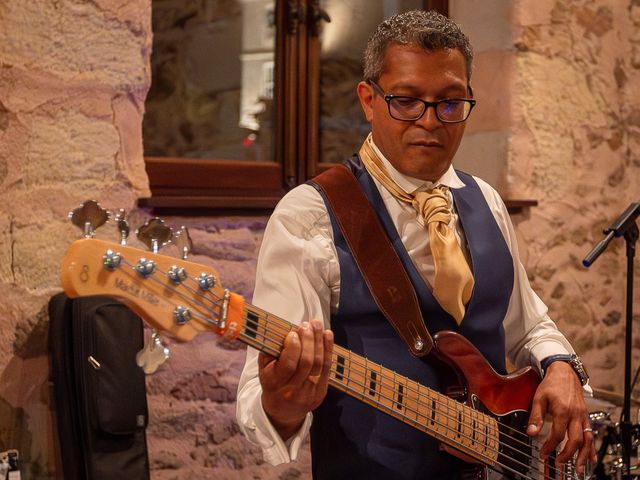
{"x":100,"y":394}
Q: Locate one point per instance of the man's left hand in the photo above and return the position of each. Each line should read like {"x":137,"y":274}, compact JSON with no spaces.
{"x":561,"y":396}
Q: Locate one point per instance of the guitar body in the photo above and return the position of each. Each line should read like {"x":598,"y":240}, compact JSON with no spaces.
{"x":506,"y":398}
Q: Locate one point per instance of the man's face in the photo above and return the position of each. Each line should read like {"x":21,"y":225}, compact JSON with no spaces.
{"x":423,"y":148}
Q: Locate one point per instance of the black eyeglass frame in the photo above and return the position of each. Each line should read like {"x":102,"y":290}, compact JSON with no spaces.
{"x":388,"y":97}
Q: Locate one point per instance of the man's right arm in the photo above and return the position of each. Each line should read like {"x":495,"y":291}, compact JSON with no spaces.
{"x":297,"y":271}
{"x":279,"y":438}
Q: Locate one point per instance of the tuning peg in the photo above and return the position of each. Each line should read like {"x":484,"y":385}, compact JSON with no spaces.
{"x":154,"y":234}
{"x":153,"y":355}
{"x":89,"y":217}
{"x":183,"y":241}
{"x":123,"y":226}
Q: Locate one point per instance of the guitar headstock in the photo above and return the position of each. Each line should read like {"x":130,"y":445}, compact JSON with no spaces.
{"x":172,"y":295}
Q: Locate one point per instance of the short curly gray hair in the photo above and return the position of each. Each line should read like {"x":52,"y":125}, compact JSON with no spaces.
{"x":427,"y":29}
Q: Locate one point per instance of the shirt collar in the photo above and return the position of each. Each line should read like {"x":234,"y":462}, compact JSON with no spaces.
{"x":411,"y":184}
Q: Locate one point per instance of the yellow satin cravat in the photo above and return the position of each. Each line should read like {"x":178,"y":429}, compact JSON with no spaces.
{"x":453,"y":282}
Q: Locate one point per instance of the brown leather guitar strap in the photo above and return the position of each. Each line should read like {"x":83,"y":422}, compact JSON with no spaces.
{"x":376,"y":258}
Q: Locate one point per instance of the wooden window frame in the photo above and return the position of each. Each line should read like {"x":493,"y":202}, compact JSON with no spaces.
{"x":193,"y":185}
{"x":441,"y":6}
{"x":196,"y":186}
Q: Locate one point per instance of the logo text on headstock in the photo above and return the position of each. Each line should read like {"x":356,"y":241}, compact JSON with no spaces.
{"x":135,"y":291}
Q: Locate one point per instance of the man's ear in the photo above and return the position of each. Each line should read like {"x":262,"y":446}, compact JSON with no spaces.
{"x":365,"y":94}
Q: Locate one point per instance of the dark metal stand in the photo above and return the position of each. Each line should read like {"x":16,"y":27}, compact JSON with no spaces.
{"x":625,"y":226}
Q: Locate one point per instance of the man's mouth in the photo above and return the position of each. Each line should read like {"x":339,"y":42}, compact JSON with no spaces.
{"x":426,"y":143}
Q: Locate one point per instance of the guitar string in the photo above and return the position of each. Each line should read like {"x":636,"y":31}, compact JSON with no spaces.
{"x":440,"y":412}
{"x":536,"y":463}
{"x":287,"y":326}
{"x":275,"y":321}
{"x":466,"y":416}
{"x":489,"y":462}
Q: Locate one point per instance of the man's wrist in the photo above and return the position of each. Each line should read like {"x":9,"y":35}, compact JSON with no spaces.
{"x":286,"y":429}
{"x":572,"y":360}
{"x":286,"y":426}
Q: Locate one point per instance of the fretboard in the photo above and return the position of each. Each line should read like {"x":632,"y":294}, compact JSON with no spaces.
{"x":437,"y":415}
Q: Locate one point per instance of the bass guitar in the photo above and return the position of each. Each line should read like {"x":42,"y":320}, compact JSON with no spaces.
{"x":485,"y":425}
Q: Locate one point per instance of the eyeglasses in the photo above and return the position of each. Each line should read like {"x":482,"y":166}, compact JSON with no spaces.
{"x":410,"y":109}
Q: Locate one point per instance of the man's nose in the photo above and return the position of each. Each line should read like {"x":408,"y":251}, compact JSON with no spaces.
{"x":429,"y":120}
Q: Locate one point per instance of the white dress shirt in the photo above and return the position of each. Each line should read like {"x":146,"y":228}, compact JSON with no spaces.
{"x":298,"y":278}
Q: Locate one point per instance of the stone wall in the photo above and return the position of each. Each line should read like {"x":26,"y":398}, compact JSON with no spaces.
{"x":575,"y":147}
{"x":73,"y":79}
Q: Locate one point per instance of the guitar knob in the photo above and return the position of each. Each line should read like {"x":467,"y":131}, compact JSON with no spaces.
{"x":123,"y":226}
{"x":183,"y":241}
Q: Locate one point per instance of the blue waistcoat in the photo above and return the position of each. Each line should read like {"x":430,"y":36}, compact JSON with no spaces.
{"x":351,"y":440}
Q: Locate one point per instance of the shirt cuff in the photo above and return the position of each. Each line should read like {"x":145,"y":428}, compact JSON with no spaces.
{"x":545,"y":349}
{"x":295,"y":442}
{"x":274,"y":450}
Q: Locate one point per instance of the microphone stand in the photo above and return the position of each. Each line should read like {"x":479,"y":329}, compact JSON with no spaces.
{"x":625,"y":226}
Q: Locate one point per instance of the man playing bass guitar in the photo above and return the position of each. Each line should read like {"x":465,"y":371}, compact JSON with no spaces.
{"x":453,"y":235}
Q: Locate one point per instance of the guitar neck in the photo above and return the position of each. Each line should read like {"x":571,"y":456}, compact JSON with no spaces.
{"x":437,"y":415}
